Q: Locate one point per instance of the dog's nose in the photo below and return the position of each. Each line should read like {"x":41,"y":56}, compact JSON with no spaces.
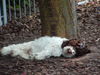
{"x":69,"y":51}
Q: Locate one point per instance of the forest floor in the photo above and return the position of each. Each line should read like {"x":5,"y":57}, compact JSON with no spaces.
{"x":29,"y":28}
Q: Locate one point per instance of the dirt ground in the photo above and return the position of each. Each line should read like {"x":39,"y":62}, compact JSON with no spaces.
{"x":29,"y":28}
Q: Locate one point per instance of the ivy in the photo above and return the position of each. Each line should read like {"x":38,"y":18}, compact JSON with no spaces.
{"x":26,"y":2}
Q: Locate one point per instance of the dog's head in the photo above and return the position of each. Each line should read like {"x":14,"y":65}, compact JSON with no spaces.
{"x":68,"y":51}
{"x":74,"y":47}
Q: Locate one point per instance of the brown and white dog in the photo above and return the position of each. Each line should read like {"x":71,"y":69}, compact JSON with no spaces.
{"x":45,"y":47}
{"x":79,"y":46}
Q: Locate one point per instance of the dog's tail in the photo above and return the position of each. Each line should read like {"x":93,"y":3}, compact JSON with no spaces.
{"x":6,"y":50}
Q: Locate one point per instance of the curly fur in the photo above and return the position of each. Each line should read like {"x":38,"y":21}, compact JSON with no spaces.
{"x":41,"y":48}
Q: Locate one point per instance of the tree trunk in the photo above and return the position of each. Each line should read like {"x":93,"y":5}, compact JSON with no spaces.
{"x":57,"y":18}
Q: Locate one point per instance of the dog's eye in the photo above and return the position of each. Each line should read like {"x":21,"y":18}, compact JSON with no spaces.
{"x":81,"y":45}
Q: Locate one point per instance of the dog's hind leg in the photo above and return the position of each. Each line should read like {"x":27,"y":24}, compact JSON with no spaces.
{"x":7,"y":50}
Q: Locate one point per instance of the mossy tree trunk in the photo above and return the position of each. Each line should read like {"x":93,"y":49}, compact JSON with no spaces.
{"x":57,"y":18}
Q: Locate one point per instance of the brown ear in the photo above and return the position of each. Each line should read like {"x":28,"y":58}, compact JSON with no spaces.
{"x":74,"y":42}
{"x":65,"y":43}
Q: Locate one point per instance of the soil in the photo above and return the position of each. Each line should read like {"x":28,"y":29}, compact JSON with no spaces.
{"x":29,"y":28}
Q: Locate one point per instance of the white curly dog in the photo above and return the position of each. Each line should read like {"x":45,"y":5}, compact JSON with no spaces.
{"x":41,"y":48}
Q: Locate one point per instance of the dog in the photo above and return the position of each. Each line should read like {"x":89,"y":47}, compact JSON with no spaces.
{"x":79,"y":46}
{"x":45,"y":47}
{"x":41,"y":48}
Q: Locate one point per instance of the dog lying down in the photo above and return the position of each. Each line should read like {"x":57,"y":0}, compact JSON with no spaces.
{"x":45,"y":47}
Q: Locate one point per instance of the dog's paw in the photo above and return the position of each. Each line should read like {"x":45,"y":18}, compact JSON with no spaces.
{"x":39,"y":57}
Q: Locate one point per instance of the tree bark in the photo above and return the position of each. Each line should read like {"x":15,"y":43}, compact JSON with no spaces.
{"x":57,"y":18}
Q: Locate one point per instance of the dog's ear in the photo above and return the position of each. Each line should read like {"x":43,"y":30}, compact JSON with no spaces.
{"x":74,"y":42}
{"x":77,"y":43}
{"x":65,"y":43}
